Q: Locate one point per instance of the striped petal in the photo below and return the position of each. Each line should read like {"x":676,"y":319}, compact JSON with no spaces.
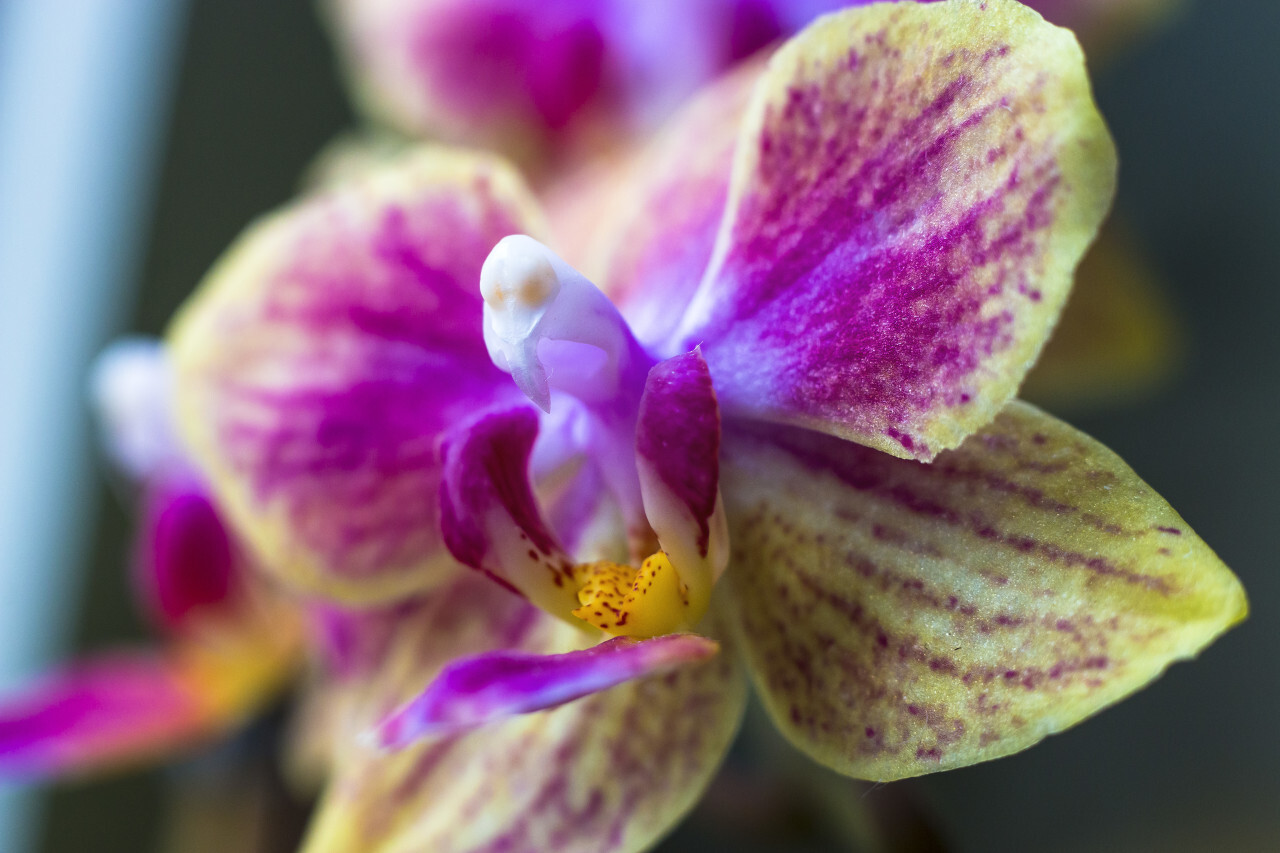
{"x":913,"y":189}
{"x":610,"y":772}
{"x":361,"y":661}
{"x":903,"y":618}
{"x":324,"y":355}
{"x":666,"y":203}
{"x":130,"y":707}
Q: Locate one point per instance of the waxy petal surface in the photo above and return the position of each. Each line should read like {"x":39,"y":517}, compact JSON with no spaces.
{"x":913,"y":189}
{"x":902,"y":618}
{"x":610,"y":772}
{"x":325,"y":354}
{"x":475,"y":691}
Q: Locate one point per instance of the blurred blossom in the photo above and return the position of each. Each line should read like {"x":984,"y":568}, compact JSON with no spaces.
{"x":227,"y":642}
{"x":547,"y":81}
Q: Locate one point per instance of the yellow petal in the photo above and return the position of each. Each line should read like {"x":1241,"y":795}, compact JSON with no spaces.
{"x":902,"y":618}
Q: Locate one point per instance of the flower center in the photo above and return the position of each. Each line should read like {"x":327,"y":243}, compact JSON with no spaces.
{"x":553,"y":330}
{"x":630,"y":602}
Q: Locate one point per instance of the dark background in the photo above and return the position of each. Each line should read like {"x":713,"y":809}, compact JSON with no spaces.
{"x":1189,"y":763}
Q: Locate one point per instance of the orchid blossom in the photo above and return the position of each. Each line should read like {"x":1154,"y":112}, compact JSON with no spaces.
{"x":230,"y":644}
{"x":543,"y":79}
{"x":557,"y":528}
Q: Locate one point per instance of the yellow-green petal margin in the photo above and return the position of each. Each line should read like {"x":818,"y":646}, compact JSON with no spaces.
{"x":902,"y":618}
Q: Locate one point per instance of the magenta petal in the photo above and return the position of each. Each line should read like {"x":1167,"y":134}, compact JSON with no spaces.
{"x":488,"y":687}
{"x":326,"y":354}
{"x":488,"y":515}
{"x":185,"y":560}
{"x":104,"y":712}
{"x":913,"y":188}
{"x":678,"y":443}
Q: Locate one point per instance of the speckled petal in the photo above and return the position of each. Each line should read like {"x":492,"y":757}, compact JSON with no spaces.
{"x":490,"y":518}
{"x":327,"y":351}
{"x":360,"y":659}
{"x":913,"y":189}
{"x":474,"y":691}
{"x":1118,"y":338}
{"x":902,"y":618}
{"x":131,"y":707}
{"x":610,"y":772}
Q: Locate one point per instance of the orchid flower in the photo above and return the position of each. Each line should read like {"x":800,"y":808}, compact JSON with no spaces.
{"x":560,"y":528}
{"x":544,"y":79}
{"x":228,"y":643}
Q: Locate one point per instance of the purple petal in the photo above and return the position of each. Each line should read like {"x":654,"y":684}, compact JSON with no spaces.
{"x":669,"y":202}
{"x":913,"y":188}
{"x":610,"y":772}
{"x":129,"y":707}
{"x":678,"y":457}
{"x":110,"y":710}
{"x":478,"y":690}
{"x":489,"y":517}
{"x":325,"y":355}
{"x":185,"y":561}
